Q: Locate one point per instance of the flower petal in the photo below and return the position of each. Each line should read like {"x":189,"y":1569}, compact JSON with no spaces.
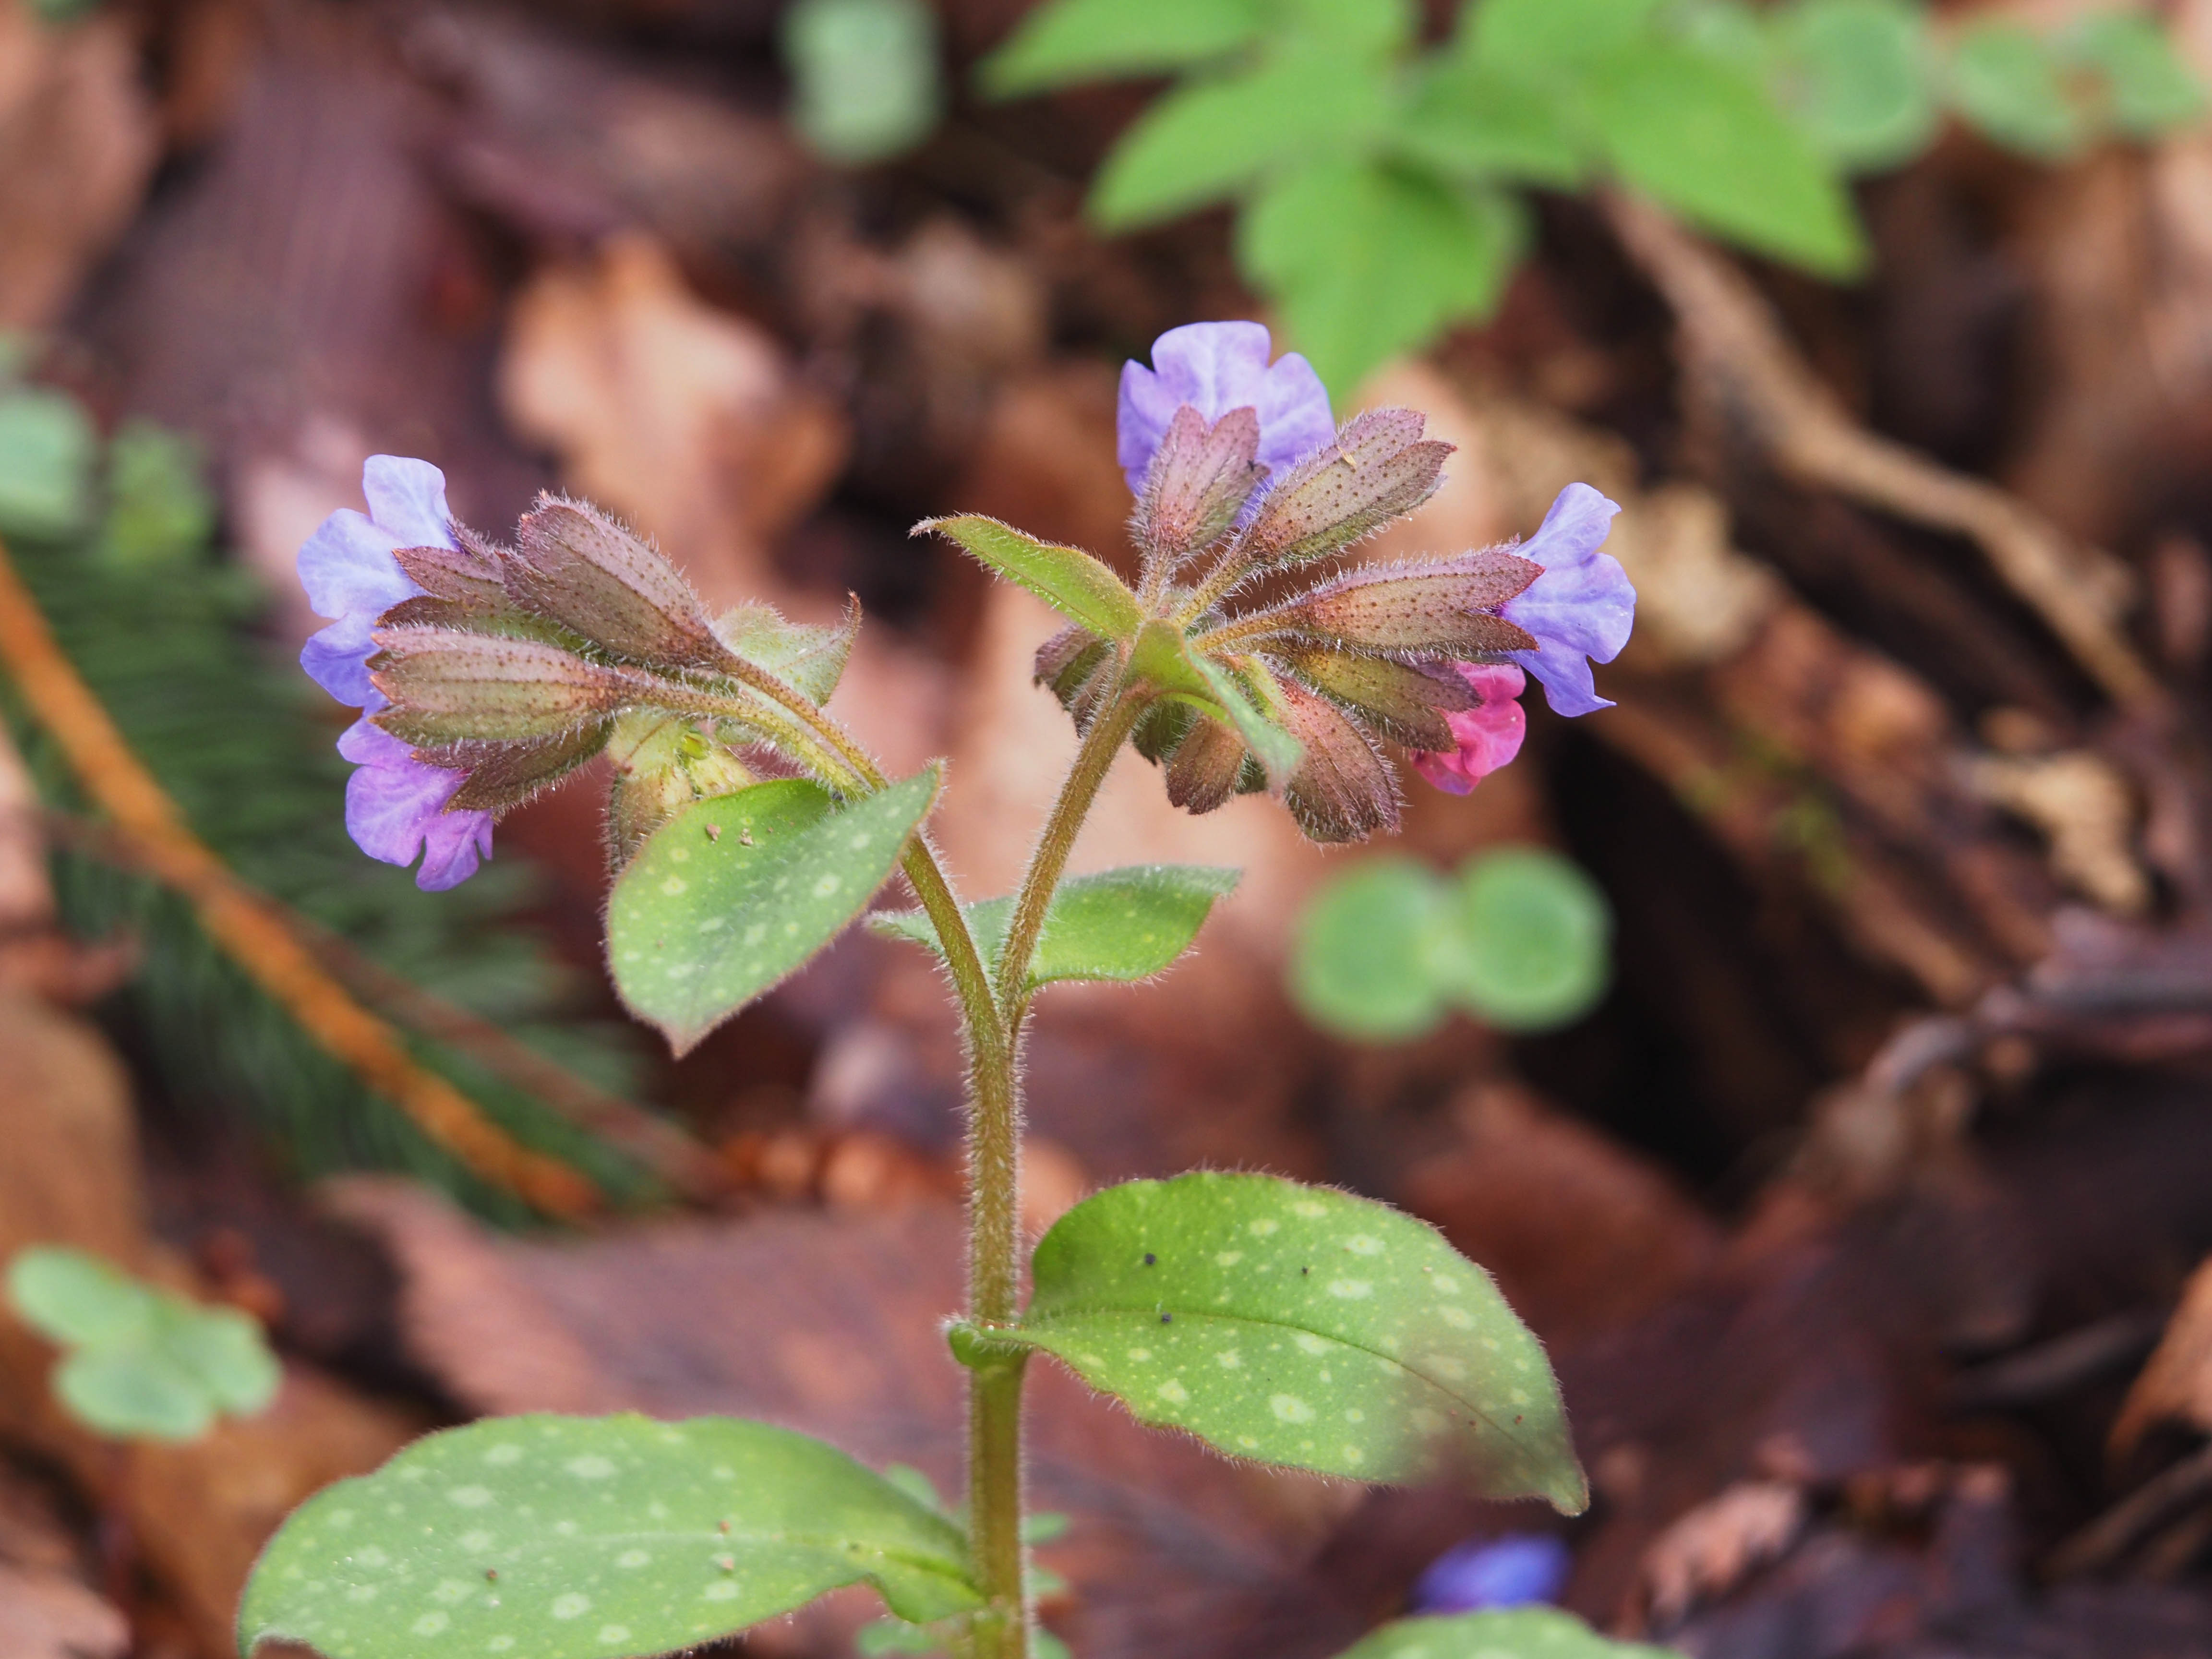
{"x":346,"y":566}
{"x":1582,"y":609}
{"x":452,"y":845}
{"x":1489,"y":734}
{"x":407,"y":499}
{"x":336,"y":658}
{"x":1216,"y":367}
{"x":396,"y":809}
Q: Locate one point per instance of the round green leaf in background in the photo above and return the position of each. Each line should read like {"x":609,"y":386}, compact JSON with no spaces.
{"x":1530,"y":948}
{"x":1366,"y":960}
{"x":1860,"y":78}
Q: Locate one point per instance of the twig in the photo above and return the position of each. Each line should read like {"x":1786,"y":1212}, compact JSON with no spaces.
{"x":673,"y":1155}
{"x":243,"y":924}
{"x":2107,"y":1538}
{"x":1732,"y":343}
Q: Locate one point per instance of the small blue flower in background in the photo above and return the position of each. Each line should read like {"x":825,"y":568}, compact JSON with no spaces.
{"x":1215,"y":367}
{"x":1581,"y":608}
{"x":396,"y":804}
{"x":1485,"y":1573}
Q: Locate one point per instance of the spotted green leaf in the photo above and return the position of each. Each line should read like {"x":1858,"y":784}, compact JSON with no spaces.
{"x":139,"y":1362}
{"x":589,"y":1538}
{"x":734,"y":893}
{"x":1301,"y":1326}
{"x":1068,"y":578}
{"x":1521,"y":1633}
{"x":1125,"y":924}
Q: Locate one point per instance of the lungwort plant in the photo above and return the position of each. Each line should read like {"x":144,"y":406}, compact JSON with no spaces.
{"x":1291,"y":1325}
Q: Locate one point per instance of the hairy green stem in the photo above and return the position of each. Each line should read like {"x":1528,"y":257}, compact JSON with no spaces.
{"x":1049,"y":861}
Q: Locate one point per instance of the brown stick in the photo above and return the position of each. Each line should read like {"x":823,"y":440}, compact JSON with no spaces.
{"x":1730,"y":341}
{"x":244,"y":925}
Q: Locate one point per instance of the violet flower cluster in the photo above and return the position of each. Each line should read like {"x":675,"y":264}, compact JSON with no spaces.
{"x":1554,"y":604}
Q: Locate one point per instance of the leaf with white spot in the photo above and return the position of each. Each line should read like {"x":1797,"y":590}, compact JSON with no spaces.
{"x":1125,"y":925}
{"x":592,"y":1538}
{"x":1301,"y":1326}
{"x":1520,"y":1633}
{"x":736,"y":893}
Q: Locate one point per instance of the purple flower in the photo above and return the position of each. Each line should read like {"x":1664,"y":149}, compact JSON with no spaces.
{"x":1581,"y":608}
{"x":1216,"y":367}
{"x":395,"y":803}
{"x":1484,"y":1573}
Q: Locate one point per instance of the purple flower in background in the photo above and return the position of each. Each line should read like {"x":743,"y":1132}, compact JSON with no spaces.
{"x":1485,"y":1573}
{"x":1581,"y":608}
{"x":395,"y":803}
{"x":1216,"y":367}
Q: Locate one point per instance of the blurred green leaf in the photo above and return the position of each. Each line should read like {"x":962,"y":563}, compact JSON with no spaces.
{"x":47,"y":449}
{"x":1518,"y":1633}
{"x":2008,"y":83}
{"x":670,"y":1535}
{"x":1368,"y":260}
{"x":1117,"y":924}
{"x":1303,"y":1327}
{"x":1467,"y":120}
{"x":159,"y":510}
{"x":1365,"y":962}
{"x":1859,"y":76}
{"x":140,"y":1362}
{"x":811,"y":656}
{"x":2150,"y":90}
{"x":1208,"y":138}
{"x":864,"y":75}
{"x":1531,"y":948}
{"x":734,"y":894}
{"x":1543,"y":35}
{"x":1097,"y":40}
{"x":1707,"y":140}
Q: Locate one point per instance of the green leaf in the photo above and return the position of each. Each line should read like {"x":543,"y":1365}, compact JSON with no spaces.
{"x":1369,"y":260}
{"x":735,"y":893}
{"x":1368,"y":961}
{"x":73,"y":1297}
{"x":1704,"y":139}
{"x":807,"y":655}
{"x":864,"y":76}
{"x":2149,"y":89}
{"x":142,"y":1361}
{"x":1301,"y":1326}
{"x":47,"y":446}
{"x":1859,"y":76}
{"x":1530,"y":950}
{"x":160,"y":510}
{"x":1097,"y":40}
{"x":1469,"y":121}
{"x":579,"y":1538}
{"x":2005,"y":81}
{"x":1068,"y":578}
{"x":1122,"y":925}
{"x":1547,"y":35}
{"x":1207,"y":140}
{"x":1519,"y":1633}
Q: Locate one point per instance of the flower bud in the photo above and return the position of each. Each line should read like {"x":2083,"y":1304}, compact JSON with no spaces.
{"x":663,"y":762}
{"x":1343,"y":790}
{"x":473,"y":575}
{"x":1200,"y":479}
{"x":1206,"y":767}
{"x":1378,"y":469}
{"x":582,"y":570}
{"x":1406,"y":702}
{"x":503,"y":775}
{"x":448,"y":687}
{"x":1075,"y":664}
{"x":1440,"y":609}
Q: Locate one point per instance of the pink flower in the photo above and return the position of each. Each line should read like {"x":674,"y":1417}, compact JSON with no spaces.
{"x":1489,"y":733}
